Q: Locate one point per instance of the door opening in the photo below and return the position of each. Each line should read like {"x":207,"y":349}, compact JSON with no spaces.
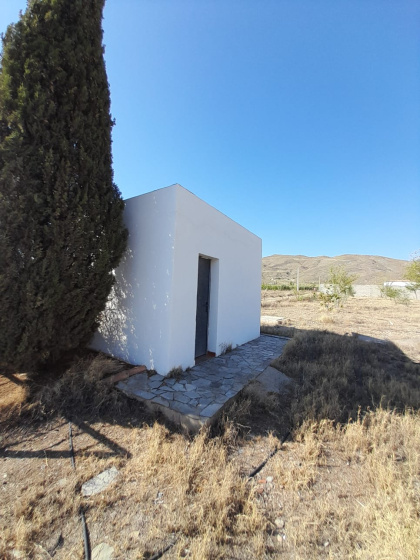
{"x":203,"y":302}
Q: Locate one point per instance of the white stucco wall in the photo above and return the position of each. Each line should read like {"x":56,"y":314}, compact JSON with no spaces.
{"x":374,"y":290}
{"x":151,"y":318}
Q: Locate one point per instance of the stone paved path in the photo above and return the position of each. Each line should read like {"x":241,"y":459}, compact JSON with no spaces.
{"x":198,"y":396}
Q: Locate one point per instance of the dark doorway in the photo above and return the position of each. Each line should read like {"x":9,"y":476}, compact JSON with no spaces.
{"x":203,"y":296}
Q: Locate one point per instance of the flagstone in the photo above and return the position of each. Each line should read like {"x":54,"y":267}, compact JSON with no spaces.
{"x":197,"y":396}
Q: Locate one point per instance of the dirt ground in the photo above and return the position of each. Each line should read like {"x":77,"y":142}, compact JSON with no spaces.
{"x":378,"y":318}
{"x":311,"y":500}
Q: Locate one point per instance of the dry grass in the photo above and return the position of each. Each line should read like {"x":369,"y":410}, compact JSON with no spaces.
{"x":169,"y":488}
{"x":337,"y":490}
{"x":81,"y":386}
{"x":196,"y":489}
{"x":351,"y":491}
{"x":379,"y":318}
{"x":337,"y":376}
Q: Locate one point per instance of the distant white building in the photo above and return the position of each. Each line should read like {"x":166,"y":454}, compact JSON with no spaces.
{"x":189,"y":283}
{"x":398,"y":284}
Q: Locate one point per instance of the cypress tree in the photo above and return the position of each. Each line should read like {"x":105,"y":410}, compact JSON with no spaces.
{"x":61,"y":228}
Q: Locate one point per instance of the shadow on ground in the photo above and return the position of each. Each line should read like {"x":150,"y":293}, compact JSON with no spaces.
{"x":333,"y":376}
{"x":75,"y":394}
{"x":338,"y":377}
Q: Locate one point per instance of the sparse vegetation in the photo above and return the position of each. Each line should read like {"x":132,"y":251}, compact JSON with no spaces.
{"x":338,"y":289}
{"x":377,"y":317}
{"x":398,"y":295}
{"x":290,"y":286}
{"x":281,"y":269}
{"x":225,"y":348}
{"x":175,"y":372}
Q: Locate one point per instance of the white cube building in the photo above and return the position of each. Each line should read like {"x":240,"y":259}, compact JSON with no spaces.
{"x":188,"y":285}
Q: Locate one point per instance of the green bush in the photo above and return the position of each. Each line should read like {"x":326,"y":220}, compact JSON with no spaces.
{"x":397,"y":294}
{"x":339,"y":288}
{"x":289,"y":287}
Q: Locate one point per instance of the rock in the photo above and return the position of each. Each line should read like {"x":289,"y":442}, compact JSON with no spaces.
{"x":272,"y":381}
{"x":210,"y":410}
{"x":269,"y":479}
{"x":103,"y":552}
{"x":279,"y":522}
{"x":271,"y":320}
{"x":281,"y":538}
{"x":99,"y":482}
{"x":159,"y":498}
{"x":369,"y":338}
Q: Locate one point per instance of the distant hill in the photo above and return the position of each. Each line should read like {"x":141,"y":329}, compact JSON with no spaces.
{"x":369,"y":269}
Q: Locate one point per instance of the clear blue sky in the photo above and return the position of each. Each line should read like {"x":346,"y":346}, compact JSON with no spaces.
{"x":299,"y":119}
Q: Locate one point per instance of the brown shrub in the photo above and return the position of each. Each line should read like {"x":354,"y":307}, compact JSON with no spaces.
{"x":80,"y":390}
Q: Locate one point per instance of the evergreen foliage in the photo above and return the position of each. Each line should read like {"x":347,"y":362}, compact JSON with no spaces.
{"x":61,"y":229}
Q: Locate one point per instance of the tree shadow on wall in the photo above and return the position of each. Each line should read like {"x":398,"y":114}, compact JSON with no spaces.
{"x":136,"y":301}
{"x":118,"y":319}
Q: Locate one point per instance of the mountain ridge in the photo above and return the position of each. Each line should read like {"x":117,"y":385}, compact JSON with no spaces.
{"x":370,"y":269}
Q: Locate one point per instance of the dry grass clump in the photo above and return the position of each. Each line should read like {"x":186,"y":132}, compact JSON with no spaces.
{"x":80,"y":389}
{"x":338,"y":491}
{"x":193,"y":488}
{"x":339,"y":375}
{"x":42,"y":508}
{"x":352,"y":491}
{"x":40,"y":511}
